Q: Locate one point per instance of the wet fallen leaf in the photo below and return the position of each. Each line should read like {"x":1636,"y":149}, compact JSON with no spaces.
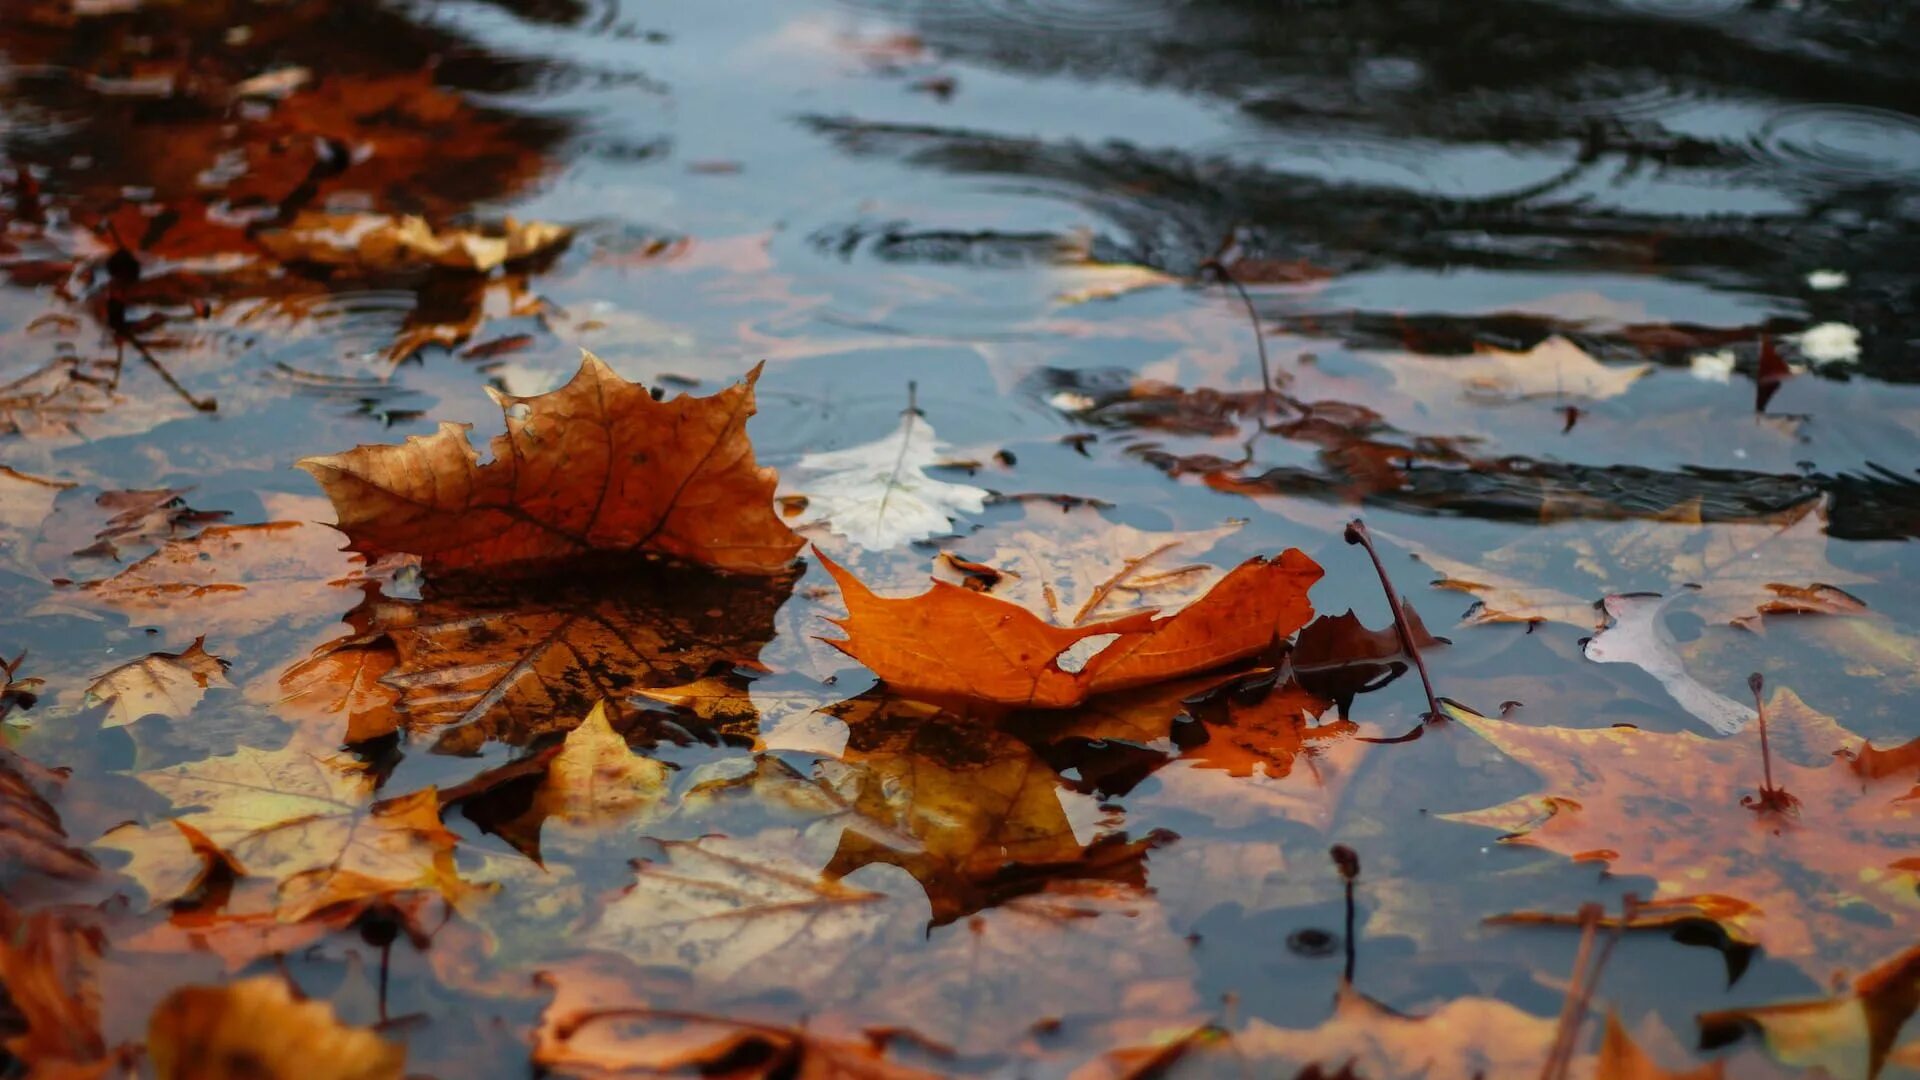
{"x":954,"y":642}
{"x":165,"y":684}
{"x":229,"y":581}
{"x":381,"y":242}
{"x":596,"y":780}
{"x":255,"y":1029}
{"x":297,"y":816}
{"x":879,"y":495}
{"x":1073,"y":566}
{"x":597,"y":465}
{"x":1849,"y":1036}
{"x":1668,"y":806}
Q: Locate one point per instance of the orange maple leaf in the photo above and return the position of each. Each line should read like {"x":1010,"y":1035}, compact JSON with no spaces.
{"x":953,"y":642}
{"x":595,"y":466}
{"x":1669,"y":806}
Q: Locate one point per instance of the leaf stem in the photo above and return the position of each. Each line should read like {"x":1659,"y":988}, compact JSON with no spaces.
{"x":1357,"y":534}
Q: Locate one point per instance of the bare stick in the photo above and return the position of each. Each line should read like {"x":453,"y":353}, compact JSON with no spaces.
{"x":1357,"y":534}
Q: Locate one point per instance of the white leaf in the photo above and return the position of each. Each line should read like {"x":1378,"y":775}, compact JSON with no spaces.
{"x":878,"y":494}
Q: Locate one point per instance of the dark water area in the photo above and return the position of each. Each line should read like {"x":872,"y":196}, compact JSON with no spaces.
{"x":1015,"y":211}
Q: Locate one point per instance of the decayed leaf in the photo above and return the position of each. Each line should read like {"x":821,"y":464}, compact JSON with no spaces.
{"x":1072,"y":566}
{"x":1554,"y":368}
{"x":595,"y":466}
{"x":255,"y":1029}
{"x":1669,"y":807}
{"x":1637,"y":634}
{"x":602,"y":1022}
{"x":954,"y":642}
{"x":378,"y":242}
{"x":1849,"y":1037}
{"x":296,"y":816}
{"x":167,"y":684}
{"x":879,"y":495}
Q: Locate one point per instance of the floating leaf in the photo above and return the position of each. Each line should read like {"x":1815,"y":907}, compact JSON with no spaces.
{"x":1670,"y":807}
{"x":164,"y":684}
{"x":595,"y":466}
{"x":954,"y":642}
{"x":879,"y":495}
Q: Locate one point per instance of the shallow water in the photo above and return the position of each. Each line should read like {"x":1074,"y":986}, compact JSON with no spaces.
{"x":888,"y":200}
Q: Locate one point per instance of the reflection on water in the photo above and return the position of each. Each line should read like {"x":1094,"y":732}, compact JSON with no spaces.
{"x":1517,"y":266}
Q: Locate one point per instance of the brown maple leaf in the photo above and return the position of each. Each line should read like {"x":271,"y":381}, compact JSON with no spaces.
{"x":1669,"y":806}
{"x":256,"y":1029}
{"x":953,"y":642}
{"x":167,"y":684}
{"x":595,"y":466}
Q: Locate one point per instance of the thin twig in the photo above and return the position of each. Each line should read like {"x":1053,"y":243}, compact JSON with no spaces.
{"x":1357,"y":534}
